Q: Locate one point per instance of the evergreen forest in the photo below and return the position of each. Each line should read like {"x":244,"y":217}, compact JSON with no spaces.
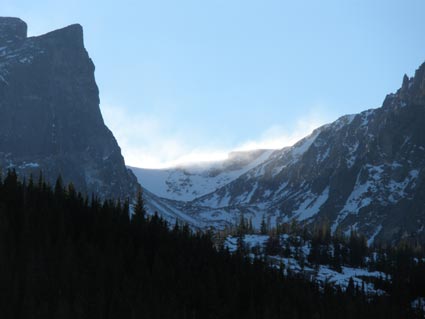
{"x":65,"y":255}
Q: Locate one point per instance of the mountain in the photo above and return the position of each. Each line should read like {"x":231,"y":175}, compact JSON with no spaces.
{"x":189,"y":181}
{"x":51,"y":119}
{"x":363,"y":172}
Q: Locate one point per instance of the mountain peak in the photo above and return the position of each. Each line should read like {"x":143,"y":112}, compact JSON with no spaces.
{"x":12,"y":29}
{"x":405,"y":84}
{"x":411,"y":92}
{"x":51,"y":121}
{"x":417,"y":89}
{"x":70,"y":36}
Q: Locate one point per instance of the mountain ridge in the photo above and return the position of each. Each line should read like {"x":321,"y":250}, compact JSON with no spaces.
{"x":363,"y":172}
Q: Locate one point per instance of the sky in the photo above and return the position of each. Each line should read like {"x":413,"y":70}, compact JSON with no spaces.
{"x":185,"y":81}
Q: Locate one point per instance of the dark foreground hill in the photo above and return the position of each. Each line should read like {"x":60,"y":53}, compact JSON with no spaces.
{"x":63,"y":256}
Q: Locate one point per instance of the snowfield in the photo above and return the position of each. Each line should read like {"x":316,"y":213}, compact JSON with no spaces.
{"x":188,"y":182}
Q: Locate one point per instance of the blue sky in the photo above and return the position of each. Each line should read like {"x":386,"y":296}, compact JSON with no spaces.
{"x":193,"y":80}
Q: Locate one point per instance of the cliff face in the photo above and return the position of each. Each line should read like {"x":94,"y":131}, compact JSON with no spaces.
{"x":51,"y":119}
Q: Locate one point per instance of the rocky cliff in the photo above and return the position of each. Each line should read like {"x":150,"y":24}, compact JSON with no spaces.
{"x":50,"y":117}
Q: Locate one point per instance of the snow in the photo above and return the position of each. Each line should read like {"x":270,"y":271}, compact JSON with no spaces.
{"x":211,"y":201}
{"x":327,"y":275}
{"x":322,"y":156}
{"x":216,"y":215}
{"x":10,"y":54}
{"x":311,"y":205}
{"x":322,"y":274}
{"x":267,"y":193}
{"x":377,"y":185}
{"x":250,"y":240}
{"x":356,"y":201}
{"x":169,"y":212}
{"x":190,"y":182}
{"x":223,"y":201}
{"x":29,"y":165}
{"x":375,"y":233}
{"x":418,"y":303}
{"x":3,"y":79}
{"x":366,"y":117}
{"x":302,"y":146}
{"x":281,"y":187}
{"x":358,"y":197}
{"x":26,"y":60}
{"x":343,"y":121}
{"x":251,"y":193}
{"x":256,"y":240}
{"x":231,"y":244}
{"x":414,"y":173}
{"x":406,"y":141}
{"x":351,"y":157}
{"x":397,"y":189}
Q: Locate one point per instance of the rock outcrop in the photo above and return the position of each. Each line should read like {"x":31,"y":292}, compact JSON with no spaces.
{"x":50,"y":118}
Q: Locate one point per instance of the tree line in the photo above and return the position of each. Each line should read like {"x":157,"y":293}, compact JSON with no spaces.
{"x":65,"y":255}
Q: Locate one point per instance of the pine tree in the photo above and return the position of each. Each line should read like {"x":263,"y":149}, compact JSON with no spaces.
{"x":240,"y":243}
{"x":263,"y":226}
{"x":250,"y":227}
{"x":59,"y":185}
{"x":139,"y":212}
{"x":350,"y":287}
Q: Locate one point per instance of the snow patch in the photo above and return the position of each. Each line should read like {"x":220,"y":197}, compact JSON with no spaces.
{"x":375,"y":233}
{"x":418,"y":303}
{"x":29,"y":165}
{"x":302,"y":146}
{"x":311,"y":205}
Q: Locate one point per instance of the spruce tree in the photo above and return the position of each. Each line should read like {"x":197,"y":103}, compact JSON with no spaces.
{"x":139,"y":212}
{"x":263,"y":226}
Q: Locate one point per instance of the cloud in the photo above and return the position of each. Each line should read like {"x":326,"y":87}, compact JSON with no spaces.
{"x":146,"y":141}
{"x":277,"y":136}
{"x":141,"y":137}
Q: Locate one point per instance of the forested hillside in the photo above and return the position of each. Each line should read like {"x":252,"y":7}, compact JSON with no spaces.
{"x":66,"y":256}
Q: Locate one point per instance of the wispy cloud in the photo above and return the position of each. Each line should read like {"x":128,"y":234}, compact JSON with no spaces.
{"x":142,"y":138}
{"x":145,"y":141}
{"x":278,"y":136}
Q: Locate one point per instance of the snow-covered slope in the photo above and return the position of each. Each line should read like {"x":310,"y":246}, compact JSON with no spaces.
{"x":191,"y":181}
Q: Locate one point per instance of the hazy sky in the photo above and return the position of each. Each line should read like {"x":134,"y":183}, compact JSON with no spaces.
{"x":189,"y":80}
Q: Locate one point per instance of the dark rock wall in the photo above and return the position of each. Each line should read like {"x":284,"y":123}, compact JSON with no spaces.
{"x":50,"y":117}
